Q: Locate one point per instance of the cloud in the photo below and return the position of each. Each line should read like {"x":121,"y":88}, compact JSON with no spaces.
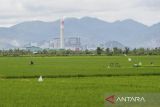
{"x":15,"y":11}
{"x":10,"y":42}
{"x":151,"y":4}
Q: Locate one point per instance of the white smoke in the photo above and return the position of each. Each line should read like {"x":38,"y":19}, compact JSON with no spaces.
{"x":8,"y":42}
{"x":15,"y":43}
{"x":154,"y":43}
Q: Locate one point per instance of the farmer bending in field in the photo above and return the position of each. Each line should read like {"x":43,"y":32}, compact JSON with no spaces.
{"x":31,"y":63}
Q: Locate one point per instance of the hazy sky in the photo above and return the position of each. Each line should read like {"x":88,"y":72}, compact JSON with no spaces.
{"x":15,"y":11}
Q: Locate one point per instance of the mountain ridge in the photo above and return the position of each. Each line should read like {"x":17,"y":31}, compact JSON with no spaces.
{"x":91,"y":31}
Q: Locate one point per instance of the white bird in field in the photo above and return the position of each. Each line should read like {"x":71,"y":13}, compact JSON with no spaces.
{"x":129,"y":59}
{"x":40,"y":79}
{"x":140,"y":63}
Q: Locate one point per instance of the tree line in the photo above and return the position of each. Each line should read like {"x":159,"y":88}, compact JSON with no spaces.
{"x":99,"y":51}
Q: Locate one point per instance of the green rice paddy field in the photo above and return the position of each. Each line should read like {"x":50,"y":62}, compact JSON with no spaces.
{"x":75,"y":81}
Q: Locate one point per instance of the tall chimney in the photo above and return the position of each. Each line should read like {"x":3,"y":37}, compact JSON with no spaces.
{"x":62,"y":33}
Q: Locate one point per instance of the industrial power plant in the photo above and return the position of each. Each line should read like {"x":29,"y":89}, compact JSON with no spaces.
{"x":61,"y":42}
{"x":73,"y":43}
